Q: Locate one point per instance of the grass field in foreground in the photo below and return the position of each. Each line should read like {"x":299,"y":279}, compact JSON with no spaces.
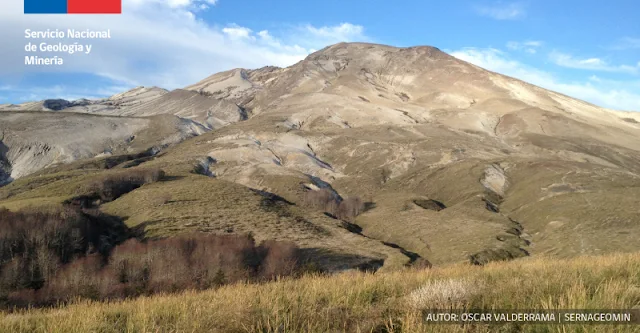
{"x":359,"y":302}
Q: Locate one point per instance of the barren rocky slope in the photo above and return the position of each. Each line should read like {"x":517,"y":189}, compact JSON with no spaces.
{"x":31,"y":141}
{"x":133,"y":97}
{"x":520,"y":168}
{"x":458,"y":163}
{"x":198,"y":107}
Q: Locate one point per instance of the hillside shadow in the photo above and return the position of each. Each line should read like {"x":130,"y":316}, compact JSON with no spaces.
{"x":171,"y":178}
{"x":5,"y":166}
{"x":335,"y":262}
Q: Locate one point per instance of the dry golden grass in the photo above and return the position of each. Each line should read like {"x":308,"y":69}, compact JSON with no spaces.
{"x":358,"y":302}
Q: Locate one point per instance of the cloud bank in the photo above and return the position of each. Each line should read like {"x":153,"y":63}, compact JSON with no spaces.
{"x":502,"y":10}
{"x":593,"y":64}
{"x":161,"y":42}
{"x":530,"y":46}
{"x":621,"y":95}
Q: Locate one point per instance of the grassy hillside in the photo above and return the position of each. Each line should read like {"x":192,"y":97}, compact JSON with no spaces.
{"x":359,"y":302}
{"x":185,"y":202}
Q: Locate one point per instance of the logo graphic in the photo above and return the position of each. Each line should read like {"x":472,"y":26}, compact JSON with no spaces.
{"x":72,"y":6}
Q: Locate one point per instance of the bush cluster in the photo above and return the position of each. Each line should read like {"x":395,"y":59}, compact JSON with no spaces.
{"x":327,"y":201}
{"x":111,"y":187}
{"x":35,"y":244}
{"x":50,"y":257}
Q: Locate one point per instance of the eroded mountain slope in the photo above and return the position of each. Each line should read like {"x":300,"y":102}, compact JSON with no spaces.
{"x":31,"y":141}
{"x":133,"y":97}
{"x":456,"y":162}
{"x":398,"y":125}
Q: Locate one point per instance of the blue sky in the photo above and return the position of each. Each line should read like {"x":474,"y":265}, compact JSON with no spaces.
{"x":587,"y":49}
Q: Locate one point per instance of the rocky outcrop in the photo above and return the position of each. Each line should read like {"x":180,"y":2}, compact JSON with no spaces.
{"x":495,"y":180}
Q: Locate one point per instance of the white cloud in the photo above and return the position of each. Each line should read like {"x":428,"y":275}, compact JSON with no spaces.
{"x":627,"y":43}
{"x":533,"y":43}
{"x":161,"y":42}
{"x":502,"y":10}
{"x":595,"y":64}
{"x":238,"y":32}
{"x":530,"y":46}
{"x":311,"y":38}
{"x":622,"y":95}
{"x":314,"y":38}
{"x":595,"y":78}
{"x":342,"y":32}
{"x":268,"y":39}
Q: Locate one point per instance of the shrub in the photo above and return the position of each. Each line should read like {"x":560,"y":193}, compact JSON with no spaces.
{"x":278,"y":259}
{"x":327,"y":201}
{"x":349,"y":208}
{"x":113,"y":186}
{"x":322,"y":199}
{"x":80,"y":278}
{"x":187,"y":262}
{"x":37,"y":275}
{"x":173,"y":264}
{"x":35,"y":244}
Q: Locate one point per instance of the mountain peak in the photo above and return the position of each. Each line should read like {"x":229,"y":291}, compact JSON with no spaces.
{"x":358,"y":48}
